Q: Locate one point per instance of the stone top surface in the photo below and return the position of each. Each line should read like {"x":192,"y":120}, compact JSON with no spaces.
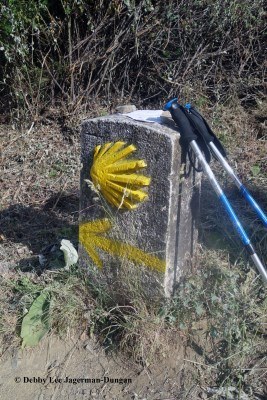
{"x":167,"y":127}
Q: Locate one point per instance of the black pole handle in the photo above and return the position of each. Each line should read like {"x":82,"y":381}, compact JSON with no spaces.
{"x":201,"y":126}
{"x":198,"y":123}
{"x":181,"y":120}
{"x":187,"y":131}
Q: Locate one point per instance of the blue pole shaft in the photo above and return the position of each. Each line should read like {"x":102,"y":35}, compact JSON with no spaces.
{"x":244,"y":192}
{"x":233,"y":217}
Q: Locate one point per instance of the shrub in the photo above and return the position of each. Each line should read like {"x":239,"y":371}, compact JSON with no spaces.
{"x":77,"y":50}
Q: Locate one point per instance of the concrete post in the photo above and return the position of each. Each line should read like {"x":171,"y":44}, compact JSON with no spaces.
{"x":139,"y":204}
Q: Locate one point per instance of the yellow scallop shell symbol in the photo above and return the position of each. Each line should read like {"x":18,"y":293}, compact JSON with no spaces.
{"x":115,"y":175}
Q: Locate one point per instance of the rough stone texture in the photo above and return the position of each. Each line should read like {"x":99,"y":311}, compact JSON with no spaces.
{"x":165,"y":225}
{"x":127,"y":108}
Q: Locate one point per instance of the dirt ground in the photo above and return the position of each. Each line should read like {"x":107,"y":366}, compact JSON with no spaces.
{"x":173,"y":377}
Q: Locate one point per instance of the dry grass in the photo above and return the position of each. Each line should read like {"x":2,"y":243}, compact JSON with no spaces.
{"x":244,"y":136}
{"x":139,"y":49}
{"x":39,"y":189}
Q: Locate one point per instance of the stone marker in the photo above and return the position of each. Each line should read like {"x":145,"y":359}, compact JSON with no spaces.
{"x":139,"y":204}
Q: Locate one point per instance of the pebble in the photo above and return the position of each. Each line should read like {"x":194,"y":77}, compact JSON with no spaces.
{"x":127,"y":108}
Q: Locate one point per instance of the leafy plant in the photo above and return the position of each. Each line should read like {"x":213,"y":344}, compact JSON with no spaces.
{"x":36,"y":323}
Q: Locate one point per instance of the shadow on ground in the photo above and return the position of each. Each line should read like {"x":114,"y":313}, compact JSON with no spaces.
{"x":216,"y":230}
{"x":41,"y":228}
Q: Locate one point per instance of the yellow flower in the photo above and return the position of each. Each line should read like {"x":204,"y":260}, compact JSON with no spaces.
{"x":115,"y":175}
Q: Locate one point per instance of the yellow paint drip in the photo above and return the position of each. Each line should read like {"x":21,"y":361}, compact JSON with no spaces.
{"x":90,"y":237}
{"x":115,"y":176}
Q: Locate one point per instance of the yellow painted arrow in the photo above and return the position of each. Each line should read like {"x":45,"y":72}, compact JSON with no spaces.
{"x":90,"y":235}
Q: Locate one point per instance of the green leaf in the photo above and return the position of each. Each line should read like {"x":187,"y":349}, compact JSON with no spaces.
{"x":36,"y":323}
{"x":172,"y":319}
{"x":213,"y":332}
{"x":255,"y":170}
{"x":199,"y":310}
{"x":182,"y":325}
{"x":70,"y":253}
{"x":214,"y":298}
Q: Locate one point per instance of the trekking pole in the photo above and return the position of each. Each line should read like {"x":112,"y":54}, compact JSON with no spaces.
{"x":190,"y":137}
{"x":202,"y":127}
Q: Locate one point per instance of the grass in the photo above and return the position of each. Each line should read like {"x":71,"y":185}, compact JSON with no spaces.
{"x":219,"y":311}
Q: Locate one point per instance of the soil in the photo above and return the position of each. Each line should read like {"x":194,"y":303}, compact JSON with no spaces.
{"x":170,"y":378}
